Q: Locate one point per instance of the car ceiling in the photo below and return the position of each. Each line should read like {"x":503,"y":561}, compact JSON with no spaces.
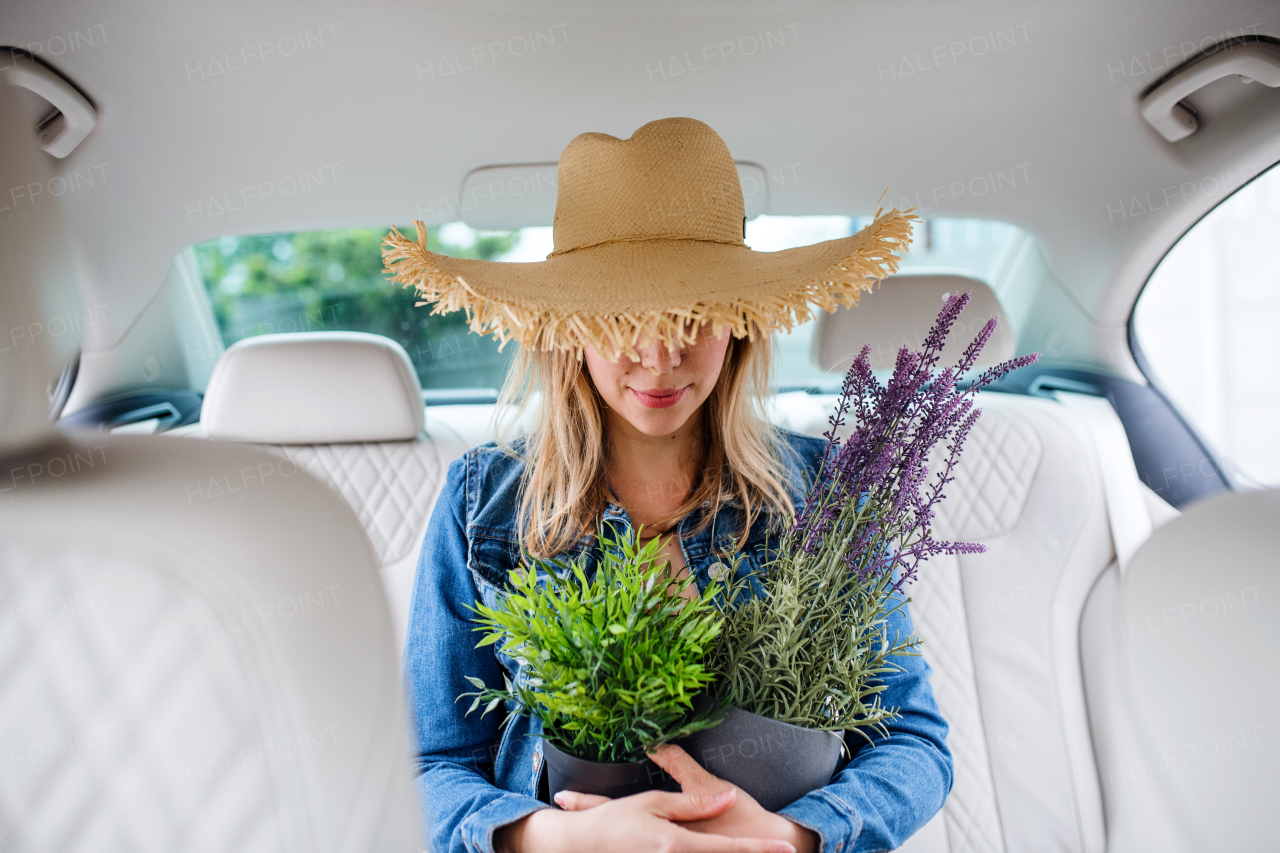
{"x":392,"y":104}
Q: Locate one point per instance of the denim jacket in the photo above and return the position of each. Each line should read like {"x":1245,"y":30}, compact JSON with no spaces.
{"x":474,"y":777}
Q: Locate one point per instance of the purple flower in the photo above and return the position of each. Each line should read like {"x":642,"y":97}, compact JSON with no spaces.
{"x":873,"y":501}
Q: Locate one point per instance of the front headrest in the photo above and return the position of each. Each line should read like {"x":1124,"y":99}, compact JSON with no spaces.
{"x":313,"y":388}
{"x":900,"y":313}
{"x":41,"y":315}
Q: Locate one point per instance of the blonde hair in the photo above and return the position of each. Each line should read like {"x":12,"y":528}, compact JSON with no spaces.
{"x":563,"y":489}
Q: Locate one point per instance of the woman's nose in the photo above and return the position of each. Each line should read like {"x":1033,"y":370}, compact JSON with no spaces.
{"x":658,"y":358}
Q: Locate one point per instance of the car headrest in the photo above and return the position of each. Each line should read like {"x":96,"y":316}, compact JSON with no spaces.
{"x":39,"y":293}
{"x":313,"y":388}
{"x":900,"y":313}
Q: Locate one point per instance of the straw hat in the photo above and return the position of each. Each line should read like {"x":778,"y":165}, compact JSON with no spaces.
{"x":648,"y":236}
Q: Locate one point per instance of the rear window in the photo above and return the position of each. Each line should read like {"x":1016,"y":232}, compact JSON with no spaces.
{"x":978,"y":248}
{"x":333,"y":280}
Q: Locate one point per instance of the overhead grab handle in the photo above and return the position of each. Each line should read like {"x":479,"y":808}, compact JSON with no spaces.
{"x":1254,"y":60}
{"x":60,"y":132}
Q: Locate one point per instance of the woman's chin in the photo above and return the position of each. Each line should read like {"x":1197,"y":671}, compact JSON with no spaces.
{"x":658,"y":422}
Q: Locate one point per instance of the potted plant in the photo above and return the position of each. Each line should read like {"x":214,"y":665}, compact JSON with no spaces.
{"x":802,"y":656}
{"x":610,"y":662}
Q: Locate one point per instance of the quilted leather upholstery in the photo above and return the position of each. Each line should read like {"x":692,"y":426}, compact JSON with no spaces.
{"x":191,"y":668}
{"x":970,"y":816}
{"x":999,"y":465}
{"x":1016,"y":497}
{"x":129,"y":725}
{"x":391,"y":485}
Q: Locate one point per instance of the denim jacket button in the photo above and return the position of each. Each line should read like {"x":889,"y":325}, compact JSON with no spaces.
{"x":717,"y":570}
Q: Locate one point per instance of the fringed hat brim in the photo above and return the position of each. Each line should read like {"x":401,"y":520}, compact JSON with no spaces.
{"x":616,"y":296}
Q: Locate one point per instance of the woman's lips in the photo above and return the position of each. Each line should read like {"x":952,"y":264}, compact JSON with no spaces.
{"x":659,"y":399}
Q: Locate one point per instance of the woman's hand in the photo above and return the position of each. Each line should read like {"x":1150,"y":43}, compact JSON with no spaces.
{"x":742,"y":818}
{"x":642,"y":822}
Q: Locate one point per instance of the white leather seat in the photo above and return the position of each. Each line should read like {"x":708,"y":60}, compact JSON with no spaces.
{"x":347,"y":407}
{"x":1001,"y":628}
{"x":1181,"y":658}
{"x":178,"y":670}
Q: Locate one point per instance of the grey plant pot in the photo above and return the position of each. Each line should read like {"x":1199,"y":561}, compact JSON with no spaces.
{"x":567,"y":773}
{"x":776,"y":763}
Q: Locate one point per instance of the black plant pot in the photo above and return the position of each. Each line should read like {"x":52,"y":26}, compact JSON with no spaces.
{"x":567,"y":773}
{"x":776,"y":763}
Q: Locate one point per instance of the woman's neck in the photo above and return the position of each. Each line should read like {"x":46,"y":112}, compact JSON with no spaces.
{"x":652,"y":475}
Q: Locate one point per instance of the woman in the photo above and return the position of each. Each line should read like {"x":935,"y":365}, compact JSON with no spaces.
{"x":646,"y":346}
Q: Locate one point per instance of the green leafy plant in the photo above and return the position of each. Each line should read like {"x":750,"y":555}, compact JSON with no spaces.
{"x":613,"y":659}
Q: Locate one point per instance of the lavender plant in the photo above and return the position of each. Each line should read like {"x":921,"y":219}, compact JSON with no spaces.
{"x":811,"y":646}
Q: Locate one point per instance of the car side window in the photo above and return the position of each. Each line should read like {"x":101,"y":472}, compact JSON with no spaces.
{"x":1207,"y":326}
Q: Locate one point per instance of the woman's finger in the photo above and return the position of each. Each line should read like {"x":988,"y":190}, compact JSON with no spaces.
{"x":690,"y":806}
{"x":690,"y":775}
{"x":574,"y":801}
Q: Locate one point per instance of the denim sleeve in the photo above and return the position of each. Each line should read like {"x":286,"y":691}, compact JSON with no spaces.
{"x":461,"y":807}
{"x":890,"y":790}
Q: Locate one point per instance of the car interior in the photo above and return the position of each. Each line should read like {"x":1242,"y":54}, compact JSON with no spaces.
{"x":224,"y":431}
